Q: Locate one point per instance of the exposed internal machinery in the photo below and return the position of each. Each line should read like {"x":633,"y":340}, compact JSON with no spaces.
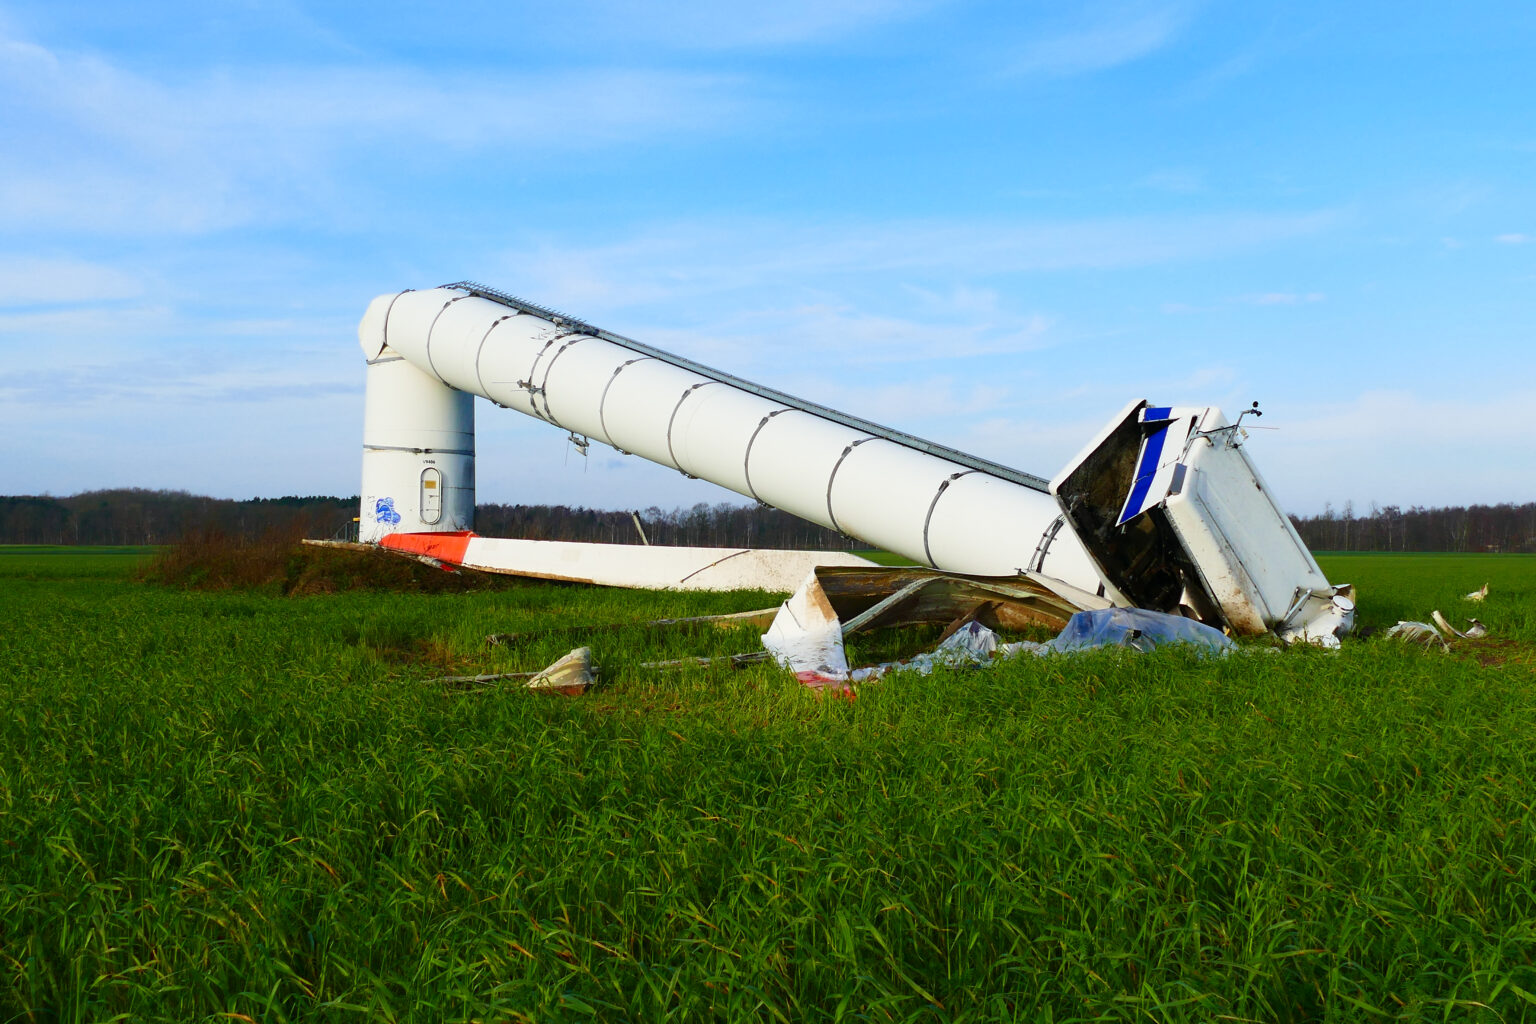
{"x":1163,"y":510}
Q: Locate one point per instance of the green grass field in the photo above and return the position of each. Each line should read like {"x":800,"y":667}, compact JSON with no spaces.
{"x":244,"y":806}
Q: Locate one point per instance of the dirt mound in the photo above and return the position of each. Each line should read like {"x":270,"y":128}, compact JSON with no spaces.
{"x":212,"y":560}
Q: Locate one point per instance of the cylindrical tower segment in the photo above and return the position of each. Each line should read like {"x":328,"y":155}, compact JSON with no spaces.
{"x":931,"y":504}
{"x":418,"y":452}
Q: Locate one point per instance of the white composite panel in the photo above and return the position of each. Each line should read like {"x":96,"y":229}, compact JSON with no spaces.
{"x":666,"y":568}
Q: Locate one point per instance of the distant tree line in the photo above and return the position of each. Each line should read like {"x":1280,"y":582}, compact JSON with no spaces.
{"x":135,"y":515}
{"x":710,"y":526}
{"x":1507,"y":527}
{"x":140,"y":516}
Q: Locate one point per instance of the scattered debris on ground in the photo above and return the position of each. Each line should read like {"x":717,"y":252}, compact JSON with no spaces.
{"x":1475,"y":628}
{"x":907,"y":595}
{"x":572,"y":674}
{"x":733,"y":660}
{"x":806,"y":633}
{"x":757,"y":619}
{"x":1421,"y":633}
{"x":1438,"y":631}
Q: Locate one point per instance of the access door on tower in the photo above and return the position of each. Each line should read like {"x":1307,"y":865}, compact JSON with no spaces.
{"x":431,"y":495}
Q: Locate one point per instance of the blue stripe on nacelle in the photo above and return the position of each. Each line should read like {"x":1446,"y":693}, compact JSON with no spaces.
{"x":1146,"y":469}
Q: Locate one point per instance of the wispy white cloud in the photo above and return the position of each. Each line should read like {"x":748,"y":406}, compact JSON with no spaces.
{"x":692,"y":259}
{"x":154,"y":382}
{"x":709,"y":25}
{"x":25,"y":330}
{"x":934,"y":403}
{"x":1449,"y":200}
{"x":1107,"y":38}
{"x":1223,"y":74}
{"x":1178,"y":180}
{"x":961,"y":298}
{"x":28,"y":281}
{"x":1512,"y":239}
{"x":256,"y":106}
{"x":1035,"y":444}
{"x":850,"y":338}
{"x":1381,"y":434}
{"x":1281,"y":298}
{"x":95,"y":146}
{"x":1254,"y":299}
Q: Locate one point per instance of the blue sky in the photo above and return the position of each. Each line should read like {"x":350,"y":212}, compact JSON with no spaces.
{"x":990,"y":224}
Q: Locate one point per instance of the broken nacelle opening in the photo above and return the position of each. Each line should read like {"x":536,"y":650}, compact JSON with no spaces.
{"x":1177,"y":519}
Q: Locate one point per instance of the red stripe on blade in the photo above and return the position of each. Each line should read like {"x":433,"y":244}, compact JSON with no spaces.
{"x":445,"y":547}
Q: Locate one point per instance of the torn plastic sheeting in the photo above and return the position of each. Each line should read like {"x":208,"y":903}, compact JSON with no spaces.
{"x":1138,"y":628}
{"x":971,"y":645}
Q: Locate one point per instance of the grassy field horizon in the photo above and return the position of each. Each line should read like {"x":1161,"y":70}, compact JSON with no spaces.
{"x":242,"y":805}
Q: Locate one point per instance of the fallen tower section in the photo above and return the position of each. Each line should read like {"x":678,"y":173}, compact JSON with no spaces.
{"x":1162,"y":510}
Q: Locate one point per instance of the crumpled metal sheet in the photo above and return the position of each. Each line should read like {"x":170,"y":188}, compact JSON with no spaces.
{"x":1417,"y":632}
{"x":910,"y":595}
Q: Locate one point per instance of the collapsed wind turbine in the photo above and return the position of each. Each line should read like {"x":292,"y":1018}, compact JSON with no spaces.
{"x":1163,"y":509}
